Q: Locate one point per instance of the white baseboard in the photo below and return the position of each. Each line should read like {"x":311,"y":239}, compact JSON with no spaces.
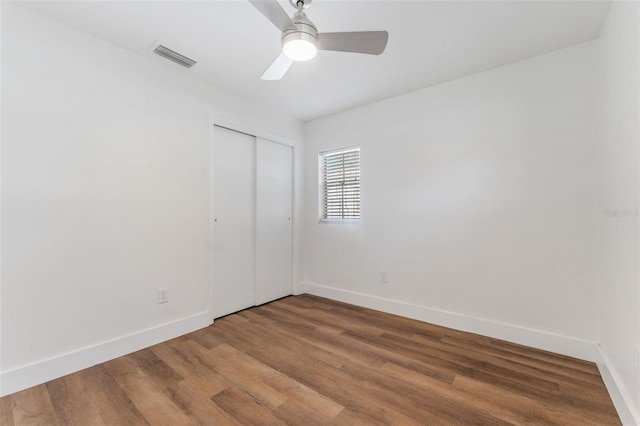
{"x":24,"y":377}
{"x":564,"y":345}
{"x":619,"y":395}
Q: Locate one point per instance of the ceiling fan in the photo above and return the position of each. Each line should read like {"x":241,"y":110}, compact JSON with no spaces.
{"x":301,"y":41}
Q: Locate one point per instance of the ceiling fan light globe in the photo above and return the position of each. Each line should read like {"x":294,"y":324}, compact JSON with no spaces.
{"x":299,"y":50}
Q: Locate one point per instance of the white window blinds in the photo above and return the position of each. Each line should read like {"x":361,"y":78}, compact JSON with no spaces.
{"x":340,"y":181}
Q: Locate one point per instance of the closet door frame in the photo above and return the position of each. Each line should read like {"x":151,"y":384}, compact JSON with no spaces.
{"x":297,"y":287}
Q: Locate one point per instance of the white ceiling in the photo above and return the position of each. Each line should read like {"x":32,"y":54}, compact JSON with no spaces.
{"x":429,"y":42}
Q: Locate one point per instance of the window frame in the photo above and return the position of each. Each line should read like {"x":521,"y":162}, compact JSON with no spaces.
{"x":321,"y":185}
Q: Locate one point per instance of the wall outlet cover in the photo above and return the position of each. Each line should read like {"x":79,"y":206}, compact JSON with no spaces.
{"x":163,"y":295}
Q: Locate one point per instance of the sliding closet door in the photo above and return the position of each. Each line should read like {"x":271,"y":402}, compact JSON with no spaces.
{"x":233,"y":220}
{"x":274,"y":232}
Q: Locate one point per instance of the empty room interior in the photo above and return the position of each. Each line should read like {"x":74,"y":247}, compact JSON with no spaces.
{"x":320,"y":212}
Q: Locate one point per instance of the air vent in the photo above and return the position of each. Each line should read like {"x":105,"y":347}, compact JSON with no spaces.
{"x":169,"y":54}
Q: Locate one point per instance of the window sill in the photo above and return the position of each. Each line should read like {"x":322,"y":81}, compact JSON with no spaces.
{"x":339,"y":221}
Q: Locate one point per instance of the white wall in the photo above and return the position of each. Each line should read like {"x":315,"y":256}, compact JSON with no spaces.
{"x":104,"y":197}
{"x":618,"y":298}
{"x":480,"y":199}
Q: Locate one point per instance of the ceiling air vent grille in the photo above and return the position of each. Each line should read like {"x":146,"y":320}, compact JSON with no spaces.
{"x":169,"y":54}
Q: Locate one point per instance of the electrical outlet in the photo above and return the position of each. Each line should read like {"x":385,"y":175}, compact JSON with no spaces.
{"x":636,"y":359}
{"x":163,"y":295}
{"x":384,"y":277}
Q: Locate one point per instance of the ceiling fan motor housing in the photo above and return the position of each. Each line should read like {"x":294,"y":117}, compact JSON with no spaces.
{"x":305,"y":30}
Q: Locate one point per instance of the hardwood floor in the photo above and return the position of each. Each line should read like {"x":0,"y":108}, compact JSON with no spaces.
{"x":305,"y":360}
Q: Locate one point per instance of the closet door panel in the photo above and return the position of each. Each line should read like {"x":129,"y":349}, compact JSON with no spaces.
{"x":274,"y":231}
{"x":233,"y":221}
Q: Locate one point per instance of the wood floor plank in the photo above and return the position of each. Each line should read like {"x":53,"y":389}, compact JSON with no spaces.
{"x":307,"y":323}
{"x":306,"y":360}
{"x":71,"y":399}
{"x":542,"y":361}
{"x":34,"y":407}
{"x":551,"y":412}
{"x":196,"y":375}
{"x":223,"y":331}
{"x":346,"y":348}
{"x":567,"y":402}
{"x":246,"y":410}
{"x":419,"y":402}
{"x":298,"y":413}
{"x":205,"y":338}
{"x":150,"y":400}
{"x":300,"y":344}
{"x":465,"y":361}
{"x":159,"y":371}
{"x":554,"y":358}
{"x":587,"y":387}
{"x":237,"y":379}
{"x":197,"y":405}
{"x":348,"y":417}
{"x":544,"y":369}
{"x":320,"y":407}
{"x":114,"y":405}
{"x":373,"y":404}
{"x":6,"y":412}
{"x":509,"y":414}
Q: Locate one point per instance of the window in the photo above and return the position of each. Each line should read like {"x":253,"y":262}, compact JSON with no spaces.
{"x":340,"y":185}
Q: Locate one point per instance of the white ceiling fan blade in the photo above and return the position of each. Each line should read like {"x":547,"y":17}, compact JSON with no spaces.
{"x":278,"y":68}
{"x":369,"y":42}
{"x":274,"y":12}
